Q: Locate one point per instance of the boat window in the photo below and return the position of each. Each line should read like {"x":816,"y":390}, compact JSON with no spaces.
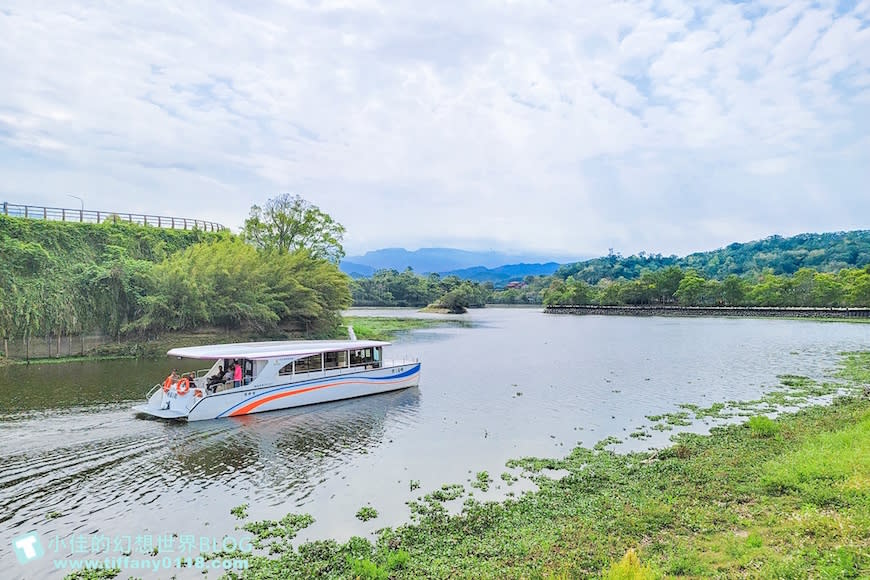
{"x":286,"y":370}
{"x":309,"y":364}
{"x":362,"y":356}
{"x":335,"y":360}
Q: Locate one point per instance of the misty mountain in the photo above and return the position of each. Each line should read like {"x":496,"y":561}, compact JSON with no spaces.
{"x":504,"y":274}
{"x":426,"y":260}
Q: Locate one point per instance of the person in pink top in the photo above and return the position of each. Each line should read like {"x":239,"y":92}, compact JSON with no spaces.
{"x":237,"y":376}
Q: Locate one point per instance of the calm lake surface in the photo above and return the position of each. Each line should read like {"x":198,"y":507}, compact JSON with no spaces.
{"x":507,"y":383}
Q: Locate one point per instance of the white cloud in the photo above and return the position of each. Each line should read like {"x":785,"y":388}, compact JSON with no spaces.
{"x":559,"y":126}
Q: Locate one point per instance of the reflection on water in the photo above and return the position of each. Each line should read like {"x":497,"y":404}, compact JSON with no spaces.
{"x":515,"y":383}
{"x":38,"y":387}
{"x":287,"y":445}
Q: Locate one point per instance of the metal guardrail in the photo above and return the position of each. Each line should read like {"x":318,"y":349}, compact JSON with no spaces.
{"x":99,"y":217}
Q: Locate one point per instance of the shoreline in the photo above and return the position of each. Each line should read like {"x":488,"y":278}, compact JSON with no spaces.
{"x":787,"y":312}
{"x":365,"y":327}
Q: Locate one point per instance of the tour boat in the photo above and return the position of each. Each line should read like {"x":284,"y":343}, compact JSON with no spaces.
{"x":277,"y":375}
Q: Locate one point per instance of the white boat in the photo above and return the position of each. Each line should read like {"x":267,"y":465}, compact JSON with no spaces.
{"x":277,"y":375}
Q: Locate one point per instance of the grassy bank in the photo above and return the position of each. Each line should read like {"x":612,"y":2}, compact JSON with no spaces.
{"x":383,"y":328}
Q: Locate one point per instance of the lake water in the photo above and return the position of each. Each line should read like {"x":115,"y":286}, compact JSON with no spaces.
{"x":513,"y":382}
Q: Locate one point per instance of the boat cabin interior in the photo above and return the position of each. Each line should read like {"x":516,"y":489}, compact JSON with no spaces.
{"x":301,"y":368}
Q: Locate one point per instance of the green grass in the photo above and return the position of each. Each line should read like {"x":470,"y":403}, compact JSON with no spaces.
{"x":831,"y":468}
{"x":382,"y":328}
{"x":762,"y":426}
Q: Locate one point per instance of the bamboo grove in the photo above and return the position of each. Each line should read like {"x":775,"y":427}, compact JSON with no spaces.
{"x":62,"y":279}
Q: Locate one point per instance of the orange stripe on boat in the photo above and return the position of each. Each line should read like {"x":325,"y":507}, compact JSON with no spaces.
{"x":253,"y":405}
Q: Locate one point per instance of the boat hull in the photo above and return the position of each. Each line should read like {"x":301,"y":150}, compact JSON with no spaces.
{"x":257,"y":399}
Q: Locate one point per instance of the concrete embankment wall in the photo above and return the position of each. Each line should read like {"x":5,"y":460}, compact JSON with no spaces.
{"x":42,"y":347}
{"x":736,"y":311}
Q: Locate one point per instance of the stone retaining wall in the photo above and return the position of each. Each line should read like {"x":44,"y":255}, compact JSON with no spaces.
{"x":735,"y":311}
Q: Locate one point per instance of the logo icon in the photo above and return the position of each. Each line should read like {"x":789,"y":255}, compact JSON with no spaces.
{"x":28,"y":547}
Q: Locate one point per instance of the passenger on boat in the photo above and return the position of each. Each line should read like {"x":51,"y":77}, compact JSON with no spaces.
{"x":215,"y":380}
{"x":237,"y":376}
{"x":168,"y":392}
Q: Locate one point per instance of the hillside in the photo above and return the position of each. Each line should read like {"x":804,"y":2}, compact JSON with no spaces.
{"x":828,"y":252}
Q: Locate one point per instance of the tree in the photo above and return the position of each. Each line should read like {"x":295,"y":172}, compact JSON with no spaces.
{"x":734,"y":290}
{"x":288,"y":223}
{"x":691,"y":289}
{"x":667,"y":281}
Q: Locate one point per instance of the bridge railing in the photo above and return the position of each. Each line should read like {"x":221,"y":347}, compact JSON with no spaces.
{"x":98,"y":217}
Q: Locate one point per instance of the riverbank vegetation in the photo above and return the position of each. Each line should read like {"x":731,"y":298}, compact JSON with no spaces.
{"x":123,"y":280}
{"x":848,"y":287}
{"x":672,"y":285}
{"x":826,"y":252}
{"x":388,"y":288}
{"x":770,"y":498}
{"x":386,"y":328}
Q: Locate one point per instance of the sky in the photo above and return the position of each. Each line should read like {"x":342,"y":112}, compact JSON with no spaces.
{"x":565,"y":127}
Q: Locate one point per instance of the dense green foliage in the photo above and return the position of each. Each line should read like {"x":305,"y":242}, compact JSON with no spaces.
{"x":394,"y":288}
{"x":672,"y":285}
{"x":829,"y":252}
{"x":67,"y":278}
{"x":230,"y":284}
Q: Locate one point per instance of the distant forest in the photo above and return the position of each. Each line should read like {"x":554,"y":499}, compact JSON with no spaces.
{"x":830,"y":252}
{"x":828,"y":269}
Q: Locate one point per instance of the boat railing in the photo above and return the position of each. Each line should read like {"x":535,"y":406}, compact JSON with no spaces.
{"x":153,"y":390}
{"x":198,"y":375}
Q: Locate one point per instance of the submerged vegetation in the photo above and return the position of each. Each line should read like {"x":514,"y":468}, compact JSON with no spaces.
{"x":771,"y":498}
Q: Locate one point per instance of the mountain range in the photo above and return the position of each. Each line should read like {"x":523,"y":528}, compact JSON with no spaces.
{"x":484,"y":266}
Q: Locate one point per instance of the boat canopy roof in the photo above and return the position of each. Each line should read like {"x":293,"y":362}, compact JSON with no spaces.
{"x":271,"y":349}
